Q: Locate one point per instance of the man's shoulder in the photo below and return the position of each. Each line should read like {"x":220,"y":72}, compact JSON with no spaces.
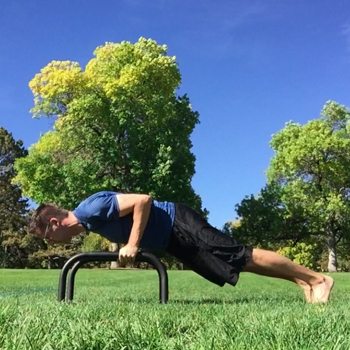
{"x":101,"y":206}
{"x":98,"y":195}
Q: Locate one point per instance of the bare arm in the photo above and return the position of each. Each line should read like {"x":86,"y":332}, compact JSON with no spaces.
{"x":139,"y":205}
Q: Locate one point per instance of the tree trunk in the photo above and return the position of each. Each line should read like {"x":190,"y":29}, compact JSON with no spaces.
{"x":332,"y":256}
{"x":113,"y":247}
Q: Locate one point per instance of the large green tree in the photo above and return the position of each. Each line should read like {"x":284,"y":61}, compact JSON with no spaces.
{"x":307,"y":197}
{"x":312,"y":165}
{"x":266,"y":221}
{"x":118,"y":124}
{"x":13,"y":208}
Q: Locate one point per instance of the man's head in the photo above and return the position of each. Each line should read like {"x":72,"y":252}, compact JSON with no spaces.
{"x":47,"y":223}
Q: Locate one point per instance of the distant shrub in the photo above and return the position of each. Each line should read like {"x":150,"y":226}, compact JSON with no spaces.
{"x":302,"y":254}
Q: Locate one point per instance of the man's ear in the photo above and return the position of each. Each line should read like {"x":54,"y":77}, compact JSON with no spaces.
{"x":54,"y":221}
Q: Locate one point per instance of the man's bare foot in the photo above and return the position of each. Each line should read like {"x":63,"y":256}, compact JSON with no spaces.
{"x":320,"y":292}
{"x":306,"y":289}
{"x":307,"y":293}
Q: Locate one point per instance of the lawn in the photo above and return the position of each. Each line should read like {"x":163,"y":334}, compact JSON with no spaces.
{"x":120,"y":310}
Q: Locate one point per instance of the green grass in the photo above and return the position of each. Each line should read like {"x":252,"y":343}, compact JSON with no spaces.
{"x":120,"y":310}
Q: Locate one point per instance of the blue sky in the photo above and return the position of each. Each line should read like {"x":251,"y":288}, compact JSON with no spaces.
{"x":247,"y":66}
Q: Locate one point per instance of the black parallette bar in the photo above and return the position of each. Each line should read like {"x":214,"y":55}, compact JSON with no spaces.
{"x":70,"y":268}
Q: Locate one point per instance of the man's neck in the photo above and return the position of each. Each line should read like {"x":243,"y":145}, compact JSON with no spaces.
{"x":73,"y":223}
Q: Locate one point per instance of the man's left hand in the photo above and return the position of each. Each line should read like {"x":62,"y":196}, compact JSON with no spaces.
{"x":127,"y":254}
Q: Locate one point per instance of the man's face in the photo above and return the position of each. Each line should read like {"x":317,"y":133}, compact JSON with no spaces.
{"x":56,"y":233}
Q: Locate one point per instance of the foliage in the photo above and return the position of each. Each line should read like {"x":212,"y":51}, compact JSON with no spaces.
{"x":343,"y":249}
{"x":118,"y":125}
{"x":94,"y":242}
{"x":18,"y":248}
{"x":264,"y":220}
{"x":13,"y":208}
{"x":53,"y":257}
{"x":308,"y":188}
{"x":312,"y":164}
{"x":302,"y":254}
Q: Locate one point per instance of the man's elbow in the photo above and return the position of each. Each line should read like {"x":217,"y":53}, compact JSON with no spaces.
{"x":146,"y":200}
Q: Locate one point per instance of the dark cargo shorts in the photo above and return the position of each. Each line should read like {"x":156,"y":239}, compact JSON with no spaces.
{"x":212,"y":254}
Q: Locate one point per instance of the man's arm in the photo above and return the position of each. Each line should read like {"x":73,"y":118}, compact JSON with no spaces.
{"x":140,"y":206}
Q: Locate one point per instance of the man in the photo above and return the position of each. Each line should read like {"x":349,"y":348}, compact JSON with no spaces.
{"x":141,"y":222}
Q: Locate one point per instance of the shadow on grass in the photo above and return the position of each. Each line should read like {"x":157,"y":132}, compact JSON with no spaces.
{"x":234,"y":301}
{"x":211,"y":301}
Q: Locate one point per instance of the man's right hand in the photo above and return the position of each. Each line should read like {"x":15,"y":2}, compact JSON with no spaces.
{"x":127,"y":254}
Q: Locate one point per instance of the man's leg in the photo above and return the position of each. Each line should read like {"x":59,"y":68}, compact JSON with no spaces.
{"x":317,"y":287}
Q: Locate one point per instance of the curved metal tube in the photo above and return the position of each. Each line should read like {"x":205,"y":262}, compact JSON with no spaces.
{"x":71,"y":267}
{"x":71,"y":279}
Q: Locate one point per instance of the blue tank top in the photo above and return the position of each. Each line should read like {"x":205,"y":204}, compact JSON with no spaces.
{"x":100,"y":213}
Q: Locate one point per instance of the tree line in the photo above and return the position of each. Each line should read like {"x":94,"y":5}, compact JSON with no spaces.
{"x":119,"y":124}
{"x":304,"y":209}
